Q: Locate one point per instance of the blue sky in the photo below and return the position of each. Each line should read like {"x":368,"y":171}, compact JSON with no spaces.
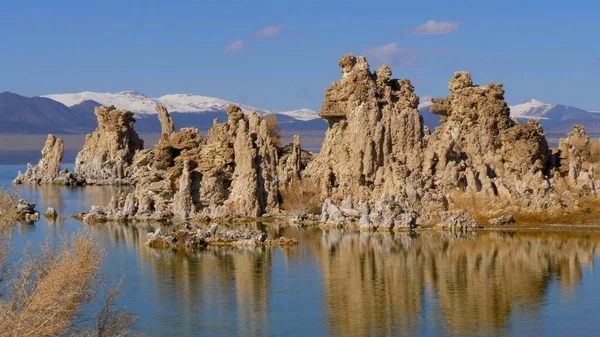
{"x":549,"y":50}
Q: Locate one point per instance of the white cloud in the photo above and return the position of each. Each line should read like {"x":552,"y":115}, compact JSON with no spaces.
{"x":433,"y":27}
{"x":401,"y":57}
{"x":267,"y":32}
{"x":391,"y":54}
{"x":238,"y":45}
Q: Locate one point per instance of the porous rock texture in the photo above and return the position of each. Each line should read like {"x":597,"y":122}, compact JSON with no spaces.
{"x":377,"y":155}
{"x":379,"y":168}
{"x":26,"y":211}
{"x":190,"y":237}
{"x":108,"y":151}
{"x":236,"y":170}
{"x":576,"y":163}
{"x":48,"y":170}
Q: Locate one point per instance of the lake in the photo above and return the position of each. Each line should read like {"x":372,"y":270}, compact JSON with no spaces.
{"x":339,"y":283}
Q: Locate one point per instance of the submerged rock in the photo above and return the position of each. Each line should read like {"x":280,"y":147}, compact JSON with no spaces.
{"x":26,"y":211}
{"x":189,"y":237}
{"x":51,"y":214}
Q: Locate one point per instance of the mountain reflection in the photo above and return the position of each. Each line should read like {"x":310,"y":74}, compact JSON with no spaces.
{"x":373,"y":283}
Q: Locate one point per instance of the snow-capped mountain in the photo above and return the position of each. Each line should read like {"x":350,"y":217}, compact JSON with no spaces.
{"x":555,"y":117}
{"x":129,"y":100}
{"x":430,"y":120}
{"x":301,"y":114}
{"x":182,"y":103}
{"x":532,"y":108}
{"x":425,"y":104}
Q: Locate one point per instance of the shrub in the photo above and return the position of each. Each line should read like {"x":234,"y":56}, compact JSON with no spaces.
{"x":8,"y":204}
{"x":301,"y":197}
{"x":49,"y":291}
{"x":273,"y":131}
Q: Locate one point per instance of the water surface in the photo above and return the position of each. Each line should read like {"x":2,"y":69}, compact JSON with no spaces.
{"x":340,"y":283}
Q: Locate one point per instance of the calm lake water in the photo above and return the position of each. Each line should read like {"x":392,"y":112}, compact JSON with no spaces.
{"x":341,"y":284}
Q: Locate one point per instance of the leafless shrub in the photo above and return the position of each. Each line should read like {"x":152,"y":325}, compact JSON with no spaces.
{"x":48,"y":292}
{"x":273,"y":131}
{"x":301,"y":197}
{"x":8,"y":204}
{"x":111,"y":320}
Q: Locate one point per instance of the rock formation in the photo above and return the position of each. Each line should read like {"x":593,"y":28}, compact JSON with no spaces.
{"x":51,"y":214}
{"x":26,"y":211}
{"x":574,"y":160}
{"x":189,"y":237}
{"x":379,"y":168}
{"x":105,"y":158}
{"x":166,"y":122}
{"x":47,"y":170}
{"x":234,"y":171}
{"x":373,"y":149}
{"x":378,"y":156}
{"x":109,"y":150}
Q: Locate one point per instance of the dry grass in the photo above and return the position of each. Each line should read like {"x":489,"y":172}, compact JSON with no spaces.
{"x":587,"y":213}
{"x":302,"y":197}
{"x":275,"y":134}
{"x":48,"y":292}
{"x":484,"y":208}
{"x":8,"y":204}
{"x":481,"y":206}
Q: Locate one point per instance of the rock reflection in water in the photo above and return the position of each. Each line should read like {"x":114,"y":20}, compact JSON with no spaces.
{"x":376,"y":283}
{"x":373,"y":283}
{"x":212,"y":290}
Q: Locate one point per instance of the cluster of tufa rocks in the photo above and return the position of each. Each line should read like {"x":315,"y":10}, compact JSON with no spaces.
{"x":236,"y":170}
{"x":103,"y":160}
{"x":379,"y":167}
{"x":377,"y":154}
{"x":189,"y":237}
{"x":48,"y":170}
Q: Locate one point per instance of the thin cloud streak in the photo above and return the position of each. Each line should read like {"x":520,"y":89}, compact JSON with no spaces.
{"x":265,"y":33}
{"x":238,"y":45}
{"x":433,"y":27}
{"x":391,"y":54}
{"x":269,"y":32}
{"x":401,"y":57}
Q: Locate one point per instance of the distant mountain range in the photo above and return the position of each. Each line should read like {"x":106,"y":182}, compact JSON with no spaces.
{"x":180,"y":103}
{"x":74,"y":113}
{"x":556,"y":119}
{"x":38,"y":115}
